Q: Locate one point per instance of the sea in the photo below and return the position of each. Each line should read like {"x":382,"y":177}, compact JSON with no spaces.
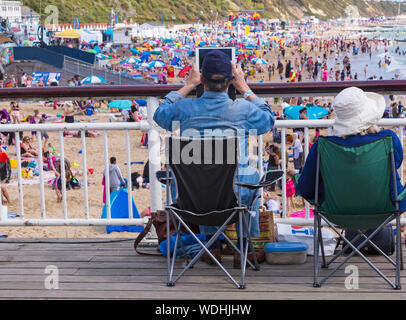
{"x":397,"y":36}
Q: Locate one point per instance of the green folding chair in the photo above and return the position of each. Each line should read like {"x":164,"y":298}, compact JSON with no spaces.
{"x":357,"y":195}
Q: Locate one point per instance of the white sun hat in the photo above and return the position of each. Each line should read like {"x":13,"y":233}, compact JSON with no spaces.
{"x":356,"y":110}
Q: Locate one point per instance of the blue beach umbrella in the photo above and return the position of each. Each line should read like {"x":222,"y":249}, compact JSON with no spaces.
{"x":120,"y":104}
{"x":157,"y":64}
{"x":293,"y":112}
{"x":93,"y":80}
{"x":259,"y":61}
{"x":130,"y":61}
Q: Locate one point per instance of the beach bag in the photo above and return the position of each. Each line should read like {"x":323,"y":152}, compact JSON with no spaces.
{"x":384,"y":240}
{"x":158,"y":220}
{"x":288,"y":233}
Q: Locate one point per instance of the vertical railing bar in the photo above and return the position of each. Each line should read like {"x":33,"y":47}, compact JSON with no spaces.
{"x":19,"y":175}
{"x":129,"y":182}
{"x":107,"y":174}
{"x":63,"y":174}
{"x":41,"y":175}
{"x":261,"y":171}
{"x":330,"y":131}
{"x":306,"y":149}
{"x":84,"y":166}
{"x":284,"y":161}
{"x":401,"y":142}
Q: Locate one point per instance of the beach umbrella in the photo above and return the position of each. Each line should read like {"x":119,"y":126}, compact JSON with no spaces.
{"x":156,"y":52}
{"x":259,"y":61}
{"x":145,"y":56}
{"x":101,"y":56}
{"x":134,"y":51}
{"x":157,"y":64}
{"x":93,"y":80}
{"x":130,"y":61}
{"x":293,"y":112}
{"x":120,"y":104}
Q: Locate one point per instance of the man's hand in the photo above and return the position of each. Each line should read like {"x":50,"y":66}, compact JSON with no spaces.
{"x":239,"y":79}
{"x":194,"y":76}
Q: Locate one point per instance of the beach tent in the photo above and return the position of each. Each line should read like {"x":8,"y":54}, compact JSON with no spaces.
{"x":119,"y":210}
{"x":293,"y":112}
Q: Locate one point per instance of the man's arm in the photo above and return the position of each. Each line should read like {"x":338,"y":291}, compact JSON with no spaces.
{"x":167,"y":112}
{"x":260,"y":117}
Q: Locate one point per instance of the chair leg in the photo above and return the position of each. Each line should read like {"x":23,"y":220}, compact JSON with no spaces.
{"x":249,"y":243}
{"x":316,"y":283}
{"x":324,"y":264}
{"x":242,"y":251}
{"x":398,"y":253}
{"x":168,"y":256}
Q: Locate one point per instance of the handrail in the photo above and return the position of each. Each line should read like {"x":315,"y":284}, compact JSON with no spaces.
{"x":263,"y":89}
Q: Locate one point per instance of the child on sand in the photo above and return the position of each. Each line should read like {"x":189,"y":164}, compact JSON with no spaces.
{"x":290,"y":188}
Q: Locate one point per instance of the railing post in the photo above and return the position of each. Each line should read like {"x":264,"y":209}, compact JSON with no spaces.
{"x":154,"y":151}
{"x":306,"y":152}
{"x":284,"y":162}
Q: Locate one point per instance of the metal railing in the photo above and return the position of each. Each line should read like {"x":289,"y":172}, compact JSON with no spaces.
{"x":154,"y":148}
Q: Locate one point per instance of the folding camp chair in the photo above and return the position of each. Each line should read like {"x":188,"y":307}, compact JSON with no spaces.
{"x":206,"y":171}
{"x":357,"y":195}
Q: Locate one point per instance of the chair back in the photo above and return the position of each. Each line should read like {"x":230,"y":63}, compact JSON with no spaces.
{"x":356,"y":182}
{"x":205,"y":170}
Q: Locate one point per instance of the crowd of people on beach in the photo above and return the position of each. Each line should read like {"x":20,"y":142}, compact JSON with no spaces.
{"x":298,"y":55}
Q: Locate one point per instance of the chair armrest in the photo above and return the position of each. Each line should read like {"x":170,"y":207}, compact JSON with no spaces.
{"x":162,"y":178}
{"x":401,"y":195}
{"x":269,"y":178}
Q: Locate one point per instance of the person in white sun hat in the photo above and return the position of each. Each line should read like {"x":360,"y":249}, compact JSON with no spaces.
{"x":356,"y":116}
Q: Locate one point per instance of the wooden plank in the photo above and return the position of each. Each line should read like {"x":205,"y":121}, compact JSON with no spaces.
{"x":170,"y":295}
{"x":186,"y":279}
{"x":115,"y":271}
{"x":191,"y":287}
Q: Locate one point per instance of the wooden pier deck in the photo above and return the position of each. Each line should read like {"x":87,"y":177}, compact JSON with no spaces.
{"x":115,"y":271}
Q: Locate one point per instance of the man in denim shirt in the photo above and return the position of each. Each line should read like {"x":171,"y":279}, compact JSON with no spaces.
{"x":214,"y":110}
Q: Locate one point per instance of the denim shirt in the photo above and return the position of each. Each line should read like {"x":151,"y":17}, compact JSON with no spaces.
{"x":215,"y":111}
